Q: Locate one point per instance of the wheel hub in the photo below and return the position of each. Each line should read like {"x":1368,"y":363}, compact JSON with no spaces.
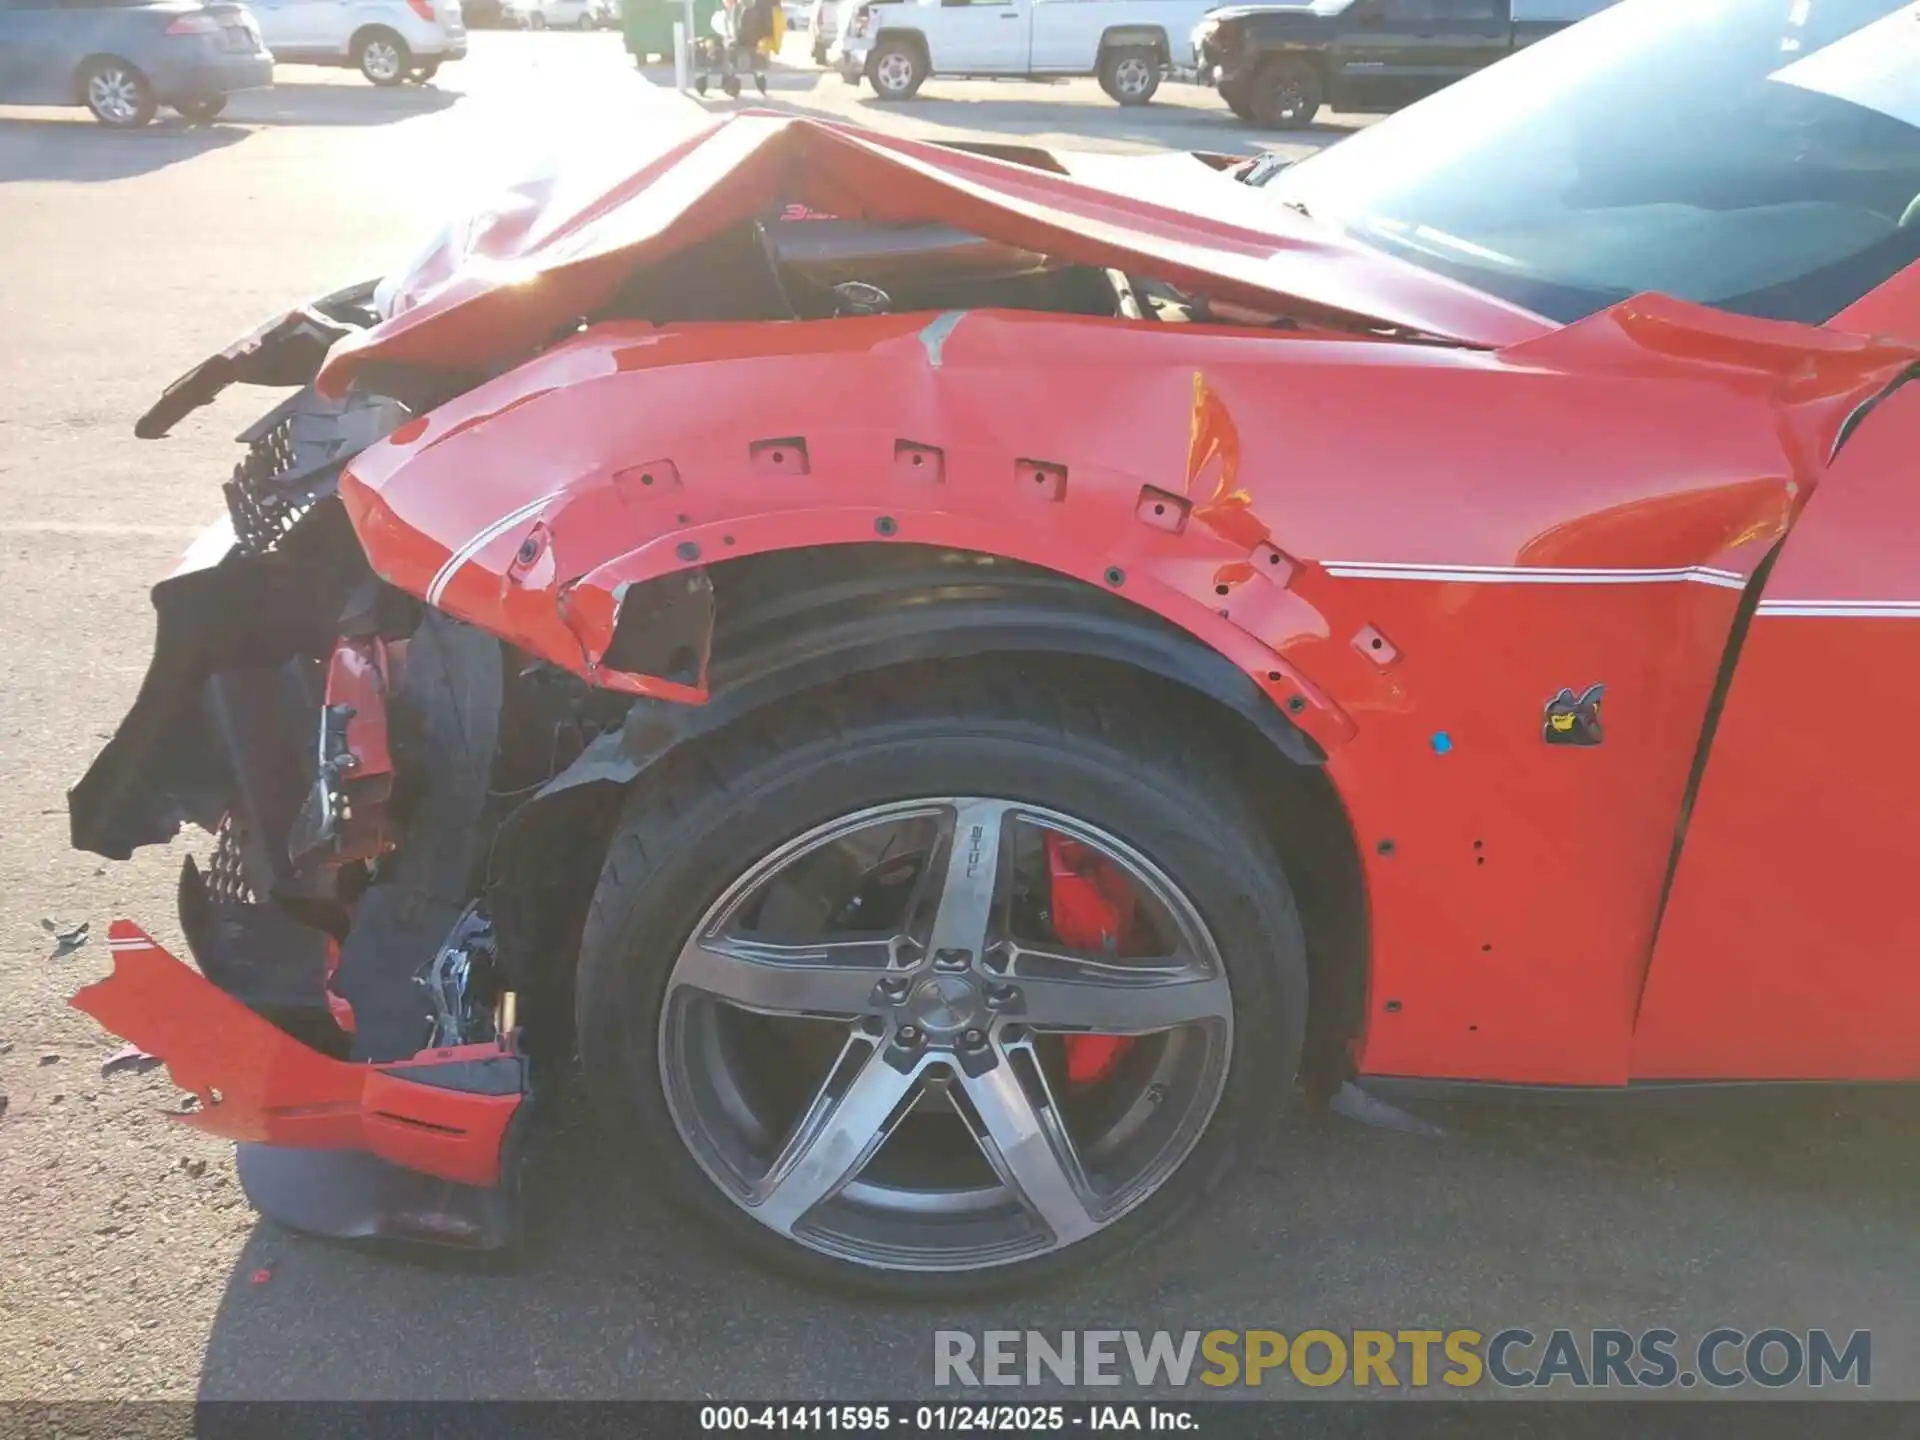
{"x":946,"y":1005}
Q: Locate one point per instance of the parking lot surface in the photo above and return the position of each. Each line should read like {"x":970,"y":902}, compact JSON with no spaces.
{"x":129,"y":1264}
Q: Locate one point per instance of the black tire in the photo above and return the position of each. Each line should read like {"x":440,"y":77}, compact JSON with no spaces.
{"x":537,"y":20}
{"x":1287,"y":94}
{"x":201,"y":112}
{"x":1130,"y":74}
{"x":1238,"y":100}
{"x":382,"y":57}
{"x":713,"y":810}
{"x":117,"y":94}
{"x":586,"y":22}
{"x":903,"y":81}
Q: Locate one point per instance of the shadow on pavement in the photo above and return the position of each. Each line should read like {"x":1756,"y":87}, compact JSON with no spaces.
{"x":1146,"y":125}
{"x":1773,"y":1214}
{"x":71,"y":146}
{"x":796,"y":89}
{"x":317,"y":103}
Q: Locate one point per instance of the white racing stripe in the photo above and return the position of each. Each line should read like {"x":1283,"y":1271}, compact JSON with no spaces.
{"x":1531,"y":574}
{"x":444,"y":576}
{"x":1845,"y":609}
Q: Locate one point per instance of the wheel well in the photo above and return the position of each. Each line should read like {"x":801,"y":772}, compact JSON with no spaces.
{"x":794,"y":622}
{"x":367,"y":32}
{"x":1150,"y":37}
{"x":80,"y":72}
{"x":909,"y":37}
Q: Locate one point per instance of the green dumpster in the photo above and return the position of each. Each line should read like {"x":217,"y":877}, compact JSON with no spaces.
{"x":648,"y":26}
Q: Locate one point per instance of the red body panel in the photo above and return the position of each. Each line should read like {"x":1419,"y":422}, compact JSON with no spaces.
{"x":358,"y":684}
{"x":257,"y":1083}
{"x":1791,"y":948}
{"x":1410,"y":549}
{"x":1594,"y":523}
{"x":503,"y":286}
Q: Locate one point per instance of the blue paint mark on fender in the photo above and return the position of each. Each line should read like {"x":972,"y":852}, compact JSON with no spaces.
{"x":934,"y":337}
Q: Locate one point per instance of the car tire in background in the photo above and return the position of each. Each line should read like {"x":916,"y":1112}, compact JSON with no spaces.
{"x":117,"y":93}
{"x":898,"y":69}
{"x":537,"y":20}
{"x":585,"y":22}
{"x":1286,"y":94}
{"x":1130,"y":74}
{"x":201,"y":112}
{"x":999,"y":1163}
{"x":382,"y":56}
{"x":1238,"y":100}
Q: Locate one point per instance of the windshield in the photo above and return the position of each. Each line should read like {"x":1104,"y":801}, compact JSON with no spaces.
{"x":1757,"y":155}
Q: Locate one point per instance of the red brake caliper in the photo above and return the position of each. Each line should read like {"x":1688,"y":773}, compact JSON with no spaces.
{"x":1092,"y":905}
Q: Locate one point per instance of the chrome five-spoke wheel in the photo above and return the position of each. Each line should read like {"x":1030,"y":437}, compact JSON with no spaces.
{"x":876,"y":1042}
{"x":943,"y":986}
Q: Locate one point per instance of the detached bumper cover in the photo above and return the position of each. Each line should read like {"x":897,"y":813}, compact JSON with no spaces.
{"x":445,"y":1114}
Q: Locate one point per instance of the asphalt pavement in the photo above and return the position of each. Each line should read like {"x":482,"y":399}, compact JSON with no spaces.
{"x":130,"y":1266}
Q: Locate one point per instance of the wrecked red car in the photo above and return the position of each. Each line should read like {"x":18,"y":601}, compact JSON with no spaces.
{"x":950,"y":679}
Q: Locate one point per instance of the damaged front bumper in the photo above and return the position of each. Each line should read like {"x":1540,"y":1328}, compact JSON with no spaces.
{"x":441,"y":1137}
{"x":349,"y":1036}
{"x":345,"y":1024}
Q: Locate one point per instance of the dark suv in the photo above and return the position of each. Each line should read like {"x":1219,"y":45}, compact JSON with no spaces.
{"x":1278,"y":65}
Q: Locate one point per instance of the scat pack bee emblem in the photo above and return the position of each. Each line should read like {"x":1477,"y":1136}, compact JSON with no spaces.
{"x":1574,"y":720}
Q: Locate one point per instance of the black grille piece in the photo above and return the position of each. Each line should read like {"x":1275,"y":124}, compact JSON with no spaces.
{"x":263,"y":512}
{"x":226,"y":876}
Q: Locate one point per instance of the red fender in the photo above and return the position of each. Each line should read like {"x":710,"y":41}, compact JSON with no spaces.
{"x":1410,"y":549}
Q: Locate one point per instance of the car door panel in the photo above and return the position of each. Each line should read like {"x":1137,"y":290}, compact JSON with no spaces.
{"x":1462,"y":37}
{"x":40,"y":47}
{"x":302,"y":27}
{"x":984,"y":38}
{"x":1377,"y":52}
{"x":1065,"y":35}
{"x":1790,"y":946}
{"x":1399,"y":51}
{"x":14,"y":76}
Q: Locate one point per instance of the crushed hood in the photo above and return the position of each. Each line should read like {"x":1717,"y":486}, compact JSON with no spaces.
{"x":501,"y":282}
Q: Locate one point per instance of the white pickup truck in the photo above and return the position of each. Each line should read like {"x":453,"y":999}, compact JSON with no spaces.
{"x":1129,"y":44}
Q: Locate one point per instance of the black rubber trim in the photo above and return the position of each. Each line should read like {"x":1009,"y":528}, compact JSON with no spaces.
{"x":814,"y":618}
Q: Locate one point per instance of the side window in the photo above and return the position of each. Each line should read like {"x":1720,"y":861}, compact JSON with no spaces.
{"x":1469,"y":10}
{"x":1408,"y":12}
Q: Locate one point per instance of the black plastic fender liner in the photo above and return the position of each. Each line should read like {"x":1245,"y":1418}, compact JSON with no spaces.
{"x":802,"y":620}
{"x":166,"y":763}
{"x":810,"y":618}
{"x":447,"y":719}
